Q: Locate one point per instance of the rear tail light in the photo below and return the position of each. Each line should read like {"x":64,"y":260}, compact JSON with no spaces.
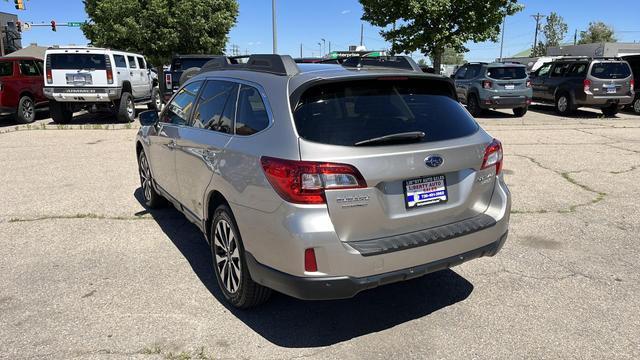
{"x":486,"y":84}
{"x":47,"y":65}
{"x":167,"y":80}
{"x":49,"y":76}
{"x":109,"y":70}
{"x":493,"y":156}
{"x":528,"y":83}
{"x":587,"y":85}
{"x":304,"y":182}
{"x":310,"y":263}
{"x":632,"y":84}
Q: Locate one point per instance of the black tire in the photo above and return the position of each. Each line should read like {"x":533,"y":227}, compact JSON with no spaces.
{"x":126,"y":110}
{"x":519,"y":112}
{"x":564,"y":104}
{"x":611,"y":110}
{"x":26,"y":112}
{"x":473,"y":105}
{"x":188,"y":74}
{"x":635,"y":105}
{"x":156,"y":101}
{"x":61,"y":113}
{"x":152,"y":199}
{"x":247,"y":293}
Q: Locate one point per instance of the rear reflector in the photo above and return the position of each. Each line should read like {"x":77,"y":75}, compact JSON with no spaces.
{"x":486,"y":84}
{"x":493,"y":156}
{"x":528,"y":83}
{"x":310,"y":263}
{"x":632,"y":84}
{"x":304,"y":182}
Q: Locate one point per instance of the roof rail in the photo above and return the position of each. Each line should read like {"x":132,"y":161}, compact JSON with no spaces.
{"x":268,"y":63}
{"x":564,"y":57}
{"x":395,"y":62}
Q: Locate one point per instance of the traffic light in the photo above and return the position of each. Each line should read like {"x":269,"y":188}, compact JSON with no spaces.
{"x":19,"y":25}
{"x":53,"y":25}
{"x":19,"y":4}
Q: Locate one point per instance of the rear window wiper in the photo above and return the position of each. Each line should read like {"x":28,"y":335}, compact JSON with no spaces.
{"x":411,"y":135}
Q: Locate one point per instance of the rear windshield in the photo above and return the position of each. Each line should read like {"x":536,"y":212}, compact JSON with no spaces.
{"x":610,"y":70}
{"x":184,"y":64}
{"x":6,"y":68}
{"x":507,"y":72}
{"x":77,"y":61}
{"x":346,"y":113}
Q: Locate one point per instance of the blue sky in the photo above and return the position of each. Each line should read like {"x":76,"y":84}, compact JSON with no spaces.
{"x":338,"y":21}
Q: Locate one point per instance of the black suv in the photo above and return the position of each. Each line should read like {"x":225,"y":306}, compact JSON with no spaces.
{"x":182,"y":68}
{"x":634,"y":62}
{"x":573,"y":82}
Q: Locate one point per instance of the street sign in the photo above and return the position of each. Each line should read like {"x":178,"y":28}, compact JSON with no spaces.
{"x":74,"y":24}
{"x":26,"y":26}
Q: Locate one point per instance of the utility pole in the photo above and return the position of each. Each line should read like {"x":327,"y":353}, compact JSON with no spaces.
{"x":324,"y":42}
{"x":361,"y":33}
{"x":393,"y":40}
{"x":329,"y":47}
{"x":502,"y":40}
{"x":273,"y":22}
{"x":300,"y":49}
{"x":537,"y":16}
{"x":575,"y":37}
{"x":320,"y":53}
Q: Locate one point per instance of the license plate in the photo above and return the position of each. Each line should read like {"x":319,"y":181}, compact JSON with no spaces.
{"x":509,"y":87}
{"x":611,"y":90}
{"x":79,"y":78}
{"x":423,"y":191}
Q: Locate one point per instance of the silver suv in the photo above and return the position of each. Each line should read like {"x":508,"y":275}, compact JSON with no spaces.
{"x":320,"y":181}
{"x":494,"y":86}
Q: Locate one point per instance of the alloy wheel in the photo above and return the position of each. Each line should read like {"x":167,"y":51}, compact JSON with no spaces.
{"x":145,"y":177}
{"x":227,"y":256}
{"x":563,"y":104}
{"x":27,"y":109}
{"x":636,"y":106}
{"x":130,"y":109}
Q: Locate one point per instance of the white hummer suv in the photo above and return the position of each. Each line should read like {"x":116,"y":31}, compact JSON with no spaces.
{"x":97,"y":79}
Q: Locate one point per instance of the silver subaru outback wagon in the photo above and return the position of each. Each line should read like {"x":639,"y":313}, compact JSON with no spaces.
{"x":320,"y":181}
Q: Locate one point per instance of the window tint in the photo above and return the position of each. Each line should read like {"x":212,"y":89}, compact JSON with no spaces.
{"x":186,"y":63}
{"x":179,"y":109}
{"x":507,"y":72}
{"x":349,"y":112}
{"x":461,"y":72}
{"x":252,"y":115}
{"x":77,"y":61}
{"x":215,"y":97}
{"x":141,"y":63}
{"x":577,"y":69}
{"x":6,"y":68}
{"x":610,"y":70}
{"x":29,"y":68}
{"x":132,"y":62}
{"x":472,"y":71}
{"x":544,"y":69}
{"x":120,"y":61}
{"x":560,"y":69}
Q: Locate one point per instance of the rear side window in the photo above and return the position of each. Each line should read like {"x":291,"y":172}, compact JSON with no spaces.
{"x":141,"y":63}
{"x":610,"y":70}
{"x":507,"y":72}
{"x":560,"y":69}
{"x":179,"y":109}
{"x":184,"y":64}
{"x":77,"y":61}
{"x":215,"y":97}
{"x":29,"y":68}
{"x":473,"y":71}
{"x":345,"y":113}
{"x":577,"y":70}
{"x":6,"y":68}
{"x":120,"y":61}
{"x":252,"y":114}
{"x":132,"y":62}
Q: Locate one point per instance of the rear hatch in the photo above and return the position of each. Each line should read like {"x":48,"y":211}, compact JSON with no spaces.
{"x":610,"y":78}
{"x":417,"y":149}
{"x":78,"y":68}
{"x":510,"y":79}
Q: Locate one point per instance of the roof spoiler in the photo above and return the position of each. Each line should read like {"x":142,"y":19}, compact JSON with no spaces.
{"x":282,"y":65}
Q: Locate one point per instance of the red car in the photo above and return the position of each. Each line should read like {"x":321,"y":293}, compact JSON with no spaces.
{"x":21,"y":84}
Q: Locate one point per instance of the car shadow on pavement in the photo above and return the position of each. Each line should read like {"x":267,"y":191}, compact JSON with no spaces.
{"x":294,"y":323}
{"x":577,"y":114}
{"x":95,"y":118}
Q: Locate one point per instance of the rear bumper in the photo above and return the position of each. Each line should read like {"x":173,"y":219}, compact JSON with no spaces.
{"x":604,"y":101}
{"x":343,"y":287}
{"x":83,"y":95}
{"x":505,"y":102}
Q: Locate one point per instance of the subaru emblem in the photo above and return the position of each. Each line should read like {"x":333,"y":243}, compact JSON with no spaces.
{"x":433,"y":161}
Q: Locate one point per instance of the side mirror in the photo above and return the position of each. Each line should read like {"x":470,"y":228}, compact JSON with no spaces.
{"x":149,"y":118}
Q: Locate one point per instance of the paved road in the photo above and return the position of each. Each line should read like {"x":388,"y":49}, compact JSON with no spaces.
{"x":87,"y":272}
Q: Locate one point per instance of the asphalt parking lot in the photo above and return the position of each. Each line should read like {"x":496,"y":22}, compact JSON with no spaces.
{"x":88,"y":272}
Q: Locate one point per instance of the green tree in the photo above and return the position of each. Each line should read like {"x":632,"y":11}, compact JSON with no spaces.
{"x":422,"y":62}
{"x":539,"y":50}
{"x":430,"y":26}
{"x":597,"y":32}
{"x":452,"y":57}
{"x":554,"y":30}
{"x":161,"y":28}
